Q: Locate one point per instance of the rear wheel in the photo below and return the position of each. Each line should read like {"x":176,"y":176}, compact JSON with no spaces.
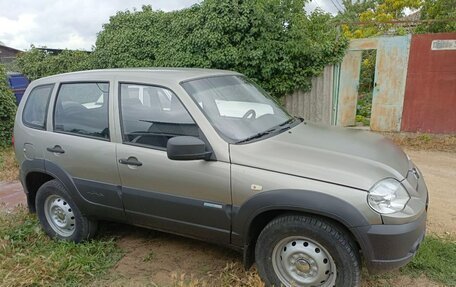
{"x":59,"y":216}
{"x":306,"y":251}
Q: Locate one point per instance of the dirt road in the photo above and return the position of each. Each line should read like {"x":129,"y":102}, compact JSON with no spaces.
{"x":11,"y":194}
{"x":439,"y":170}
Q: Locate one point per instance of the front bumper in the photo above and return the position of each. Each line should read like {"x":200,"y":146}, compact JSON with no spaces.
{"x":386,"y":247}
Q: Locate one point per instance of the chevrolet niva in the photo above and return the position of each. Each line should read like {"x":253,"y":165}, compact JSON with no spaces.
{"x":209,"y":155}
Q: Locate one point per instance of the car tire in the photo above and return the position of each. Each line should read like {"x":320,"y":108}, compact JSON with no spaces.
{"x":59,"y":216}
{"x":298,"y":250}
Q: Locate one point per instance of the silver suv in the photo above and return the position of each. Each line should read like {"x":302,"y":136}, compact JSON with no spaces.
{"x":208,"y":154}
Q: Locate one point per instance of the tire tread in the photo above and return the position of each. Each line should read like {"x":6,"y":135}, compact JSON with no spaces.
{"x":343,"y":240}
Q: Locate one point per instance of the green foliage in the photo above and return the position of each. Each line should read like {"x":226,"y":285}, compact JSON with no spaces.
{"x":426,"y":138}
{"x":352,"y":11}
{"x":377,"y":12}
{"x":149,"y":257}
{"x":272,"y":41}
{"x":438,"y":10}
{"x":29,"y":258}
{"x":436,"y":258}
{"x":367,"y":72}
{"x":7,"y":110}
{"x":366,"y":86}
{"x":36,"y":63}
{"x":9,"y":169}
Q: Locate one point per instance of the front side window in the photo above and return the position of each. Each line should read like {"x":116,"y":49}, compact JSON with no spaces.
{"x":151,"y":115}
{"x":237,"y":108}
{"x":36,"y":107}
{"x":82,"y":109}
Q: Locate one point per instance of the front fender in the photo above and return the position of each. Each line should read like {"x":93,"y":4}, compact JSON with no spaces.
{"x":293,"y":200}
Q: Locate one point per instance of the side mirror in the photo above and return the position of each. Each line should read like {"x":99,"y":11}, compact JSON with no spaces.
{"x":187,"y":148}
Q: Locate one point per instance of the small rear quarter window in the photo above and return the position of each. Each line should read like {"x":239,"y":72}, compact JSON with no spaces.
{"x":36,"y":107}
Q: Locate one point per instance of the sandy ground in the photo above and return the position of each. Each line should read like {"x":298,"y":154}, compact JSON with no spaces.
{"x":439,"y":170}
{"x":158,"y":259}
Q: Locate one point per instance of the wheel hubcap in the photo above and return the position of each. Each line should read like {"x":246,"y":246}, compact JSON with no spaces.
{"x":302,"y":265}
{"x":59,"y":215}
{"x":299,"y":261}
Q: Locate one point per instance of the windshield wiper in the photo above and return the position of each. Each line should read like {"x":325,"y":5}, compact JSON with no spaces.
{"x":287,"y":122}
{"x":269,"y":131}
{"x":256,"y":136}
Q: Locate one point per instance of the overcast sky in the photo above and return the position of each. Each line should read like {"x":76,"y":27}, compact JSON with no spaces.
{"x":73,"y":24}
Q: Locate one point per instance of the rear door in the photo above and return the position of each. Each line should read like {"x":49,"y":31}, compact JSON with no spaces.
{"x":186,"y":197}
{"x":80,"y":144}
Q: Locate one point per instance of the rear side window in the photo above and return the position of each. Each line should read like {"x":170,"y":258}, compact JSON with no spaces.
{"x":36,"y":107}
{"x":82,"y":109}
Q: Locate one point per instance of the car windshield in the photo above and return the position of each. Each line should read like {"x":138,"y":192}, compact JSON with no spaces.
{"x":238,"y":109}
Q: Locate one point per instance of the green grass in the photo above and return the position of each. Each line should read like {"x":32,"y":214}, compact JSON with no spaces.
{"x":436,"y":259}
{"x":149,"y":257}
{"x":29,"y":258}
{"x":9,"y":169}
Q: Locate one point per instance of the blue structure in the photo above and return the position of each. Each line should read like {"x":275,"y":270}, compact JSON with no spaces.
{"x":18,"y":83}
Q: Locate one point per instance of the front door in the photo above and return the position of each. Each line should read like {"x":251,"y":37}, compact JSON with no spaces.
{"x":191,"y":198}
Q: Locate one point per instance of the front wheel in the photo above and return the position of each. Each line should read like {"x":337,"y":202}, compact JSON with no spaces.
{"x":298,"y":250}
{"x":59,"y":216}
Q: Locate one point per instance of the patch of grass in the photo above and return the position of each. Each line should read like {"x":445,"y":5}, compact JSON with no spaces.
{"x":232,"y":275}
{"x":149,"y":257}
{"x":436,"y":258}
{"x":9,"y":169}
{"x":423,"y":141}
{"x":28,"y":257}
{"x":434,"y":265}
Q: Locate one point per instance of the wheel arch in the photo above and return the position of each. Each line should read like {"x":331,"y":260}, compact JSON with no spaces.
{"x":33,"y":181}
{"x":250,"y":219}
{"x":47,"y":170}
{"x":34,"y":173}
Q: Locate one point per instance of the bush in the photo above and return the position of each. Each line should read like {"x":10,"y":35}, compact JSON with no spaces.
{"x":36,"y":63}
{"x":7,"y":110}
{"x":273,"y":42}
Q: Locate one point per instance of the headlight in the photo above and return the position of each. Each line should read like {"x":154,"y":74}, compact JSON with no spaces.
{"x":388,"y":196}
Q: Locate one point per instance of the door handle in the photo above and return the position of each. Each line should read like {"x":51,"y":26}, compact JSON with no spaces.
{"x":55,"y":149}
{"x":130,"y":161}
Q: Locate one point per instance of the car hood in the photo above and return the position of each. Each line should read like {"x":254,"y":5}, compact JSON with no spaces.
{"x":342,"y":156}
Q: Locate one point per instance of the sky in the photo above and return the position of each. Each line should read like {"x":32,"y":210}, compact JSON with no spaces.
{"x":74,"y":24}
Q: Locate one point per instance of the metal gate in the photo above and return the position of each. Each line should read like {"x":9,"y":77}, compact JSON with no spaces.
{"x":334,"y":95}
{"x":389,"y":88}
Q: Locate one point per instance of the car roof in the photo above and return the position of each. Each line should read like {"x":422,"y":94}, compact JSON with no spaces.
{"x":170,"y":74}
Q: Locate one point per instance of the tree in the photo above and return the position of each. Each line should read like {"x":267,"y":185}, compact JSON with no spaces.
{"x":37,"y":63}
{"x":7,"y":110}
{"x":376,"y":16}
{"x":438,"y":10}
{"x":272,"y":41}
